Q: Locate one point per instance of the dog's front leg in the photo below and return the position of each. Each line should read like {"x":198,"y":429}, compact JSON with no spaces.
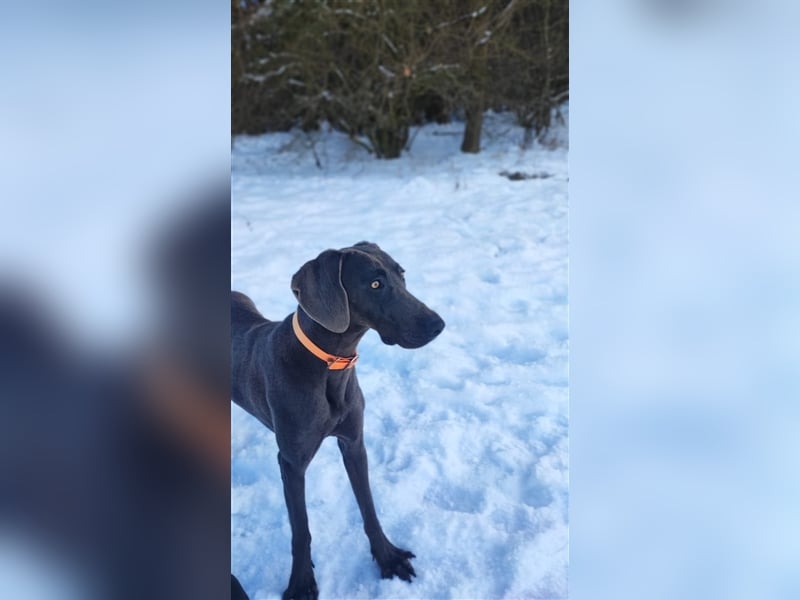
{"x":302,"y":585}
{"x":391,"y":559}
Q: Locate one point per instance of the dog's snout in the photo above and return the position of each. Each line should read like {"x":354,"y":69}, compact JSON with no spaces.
{"x":436,"y":325}
{"x":418,"y":332}
{"x":430,"y":326}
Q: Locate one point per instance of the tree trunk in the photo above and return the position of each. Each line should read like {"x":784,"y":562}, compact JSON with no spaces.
{"x":389,"y":142}
{"x":472,"y":130}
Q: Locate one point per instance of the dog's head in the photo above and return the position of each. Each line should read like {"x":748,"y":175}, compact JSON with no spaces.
{"x":362,"y":286}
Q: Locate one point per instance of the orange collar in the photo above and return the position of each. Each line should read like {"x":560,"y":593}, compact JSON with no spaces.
{"x":335,"y":363}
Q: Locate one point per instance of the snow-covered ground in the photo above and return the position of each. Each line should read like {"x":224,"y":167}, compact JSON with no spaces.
{"x":468,"y":436}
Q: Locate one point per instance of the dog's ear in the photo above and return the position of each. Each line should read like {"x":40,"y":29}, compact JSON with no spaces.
{"x":319,"y":290}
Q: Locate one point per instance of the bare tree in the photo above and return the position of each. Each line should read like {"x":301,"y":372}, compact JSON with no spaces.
{"x":531,"y":70}
{"x":372,"y":68}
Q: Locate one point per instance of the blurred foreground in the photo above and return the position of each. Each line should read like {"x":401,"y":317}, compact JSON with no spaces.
{"x":115,"y":463}
{"x":684,"y":295}
{"x":114,"y":245}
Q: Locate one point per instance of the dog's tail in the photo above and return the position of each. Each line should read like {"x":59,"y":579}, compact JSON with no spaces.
{"x":243,"y":310}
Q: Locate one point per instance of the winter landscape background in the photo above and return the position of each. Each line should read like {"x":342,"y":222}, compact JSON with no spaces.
{"x":468,"y":436}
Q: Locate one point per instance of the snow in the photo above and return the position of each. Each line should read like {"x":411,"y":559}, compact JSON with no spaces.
{"x":468,"y":436}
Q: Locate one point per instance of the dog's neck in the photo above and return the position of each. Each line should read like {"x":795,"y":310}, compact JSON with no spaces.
{"x":340,"y":344}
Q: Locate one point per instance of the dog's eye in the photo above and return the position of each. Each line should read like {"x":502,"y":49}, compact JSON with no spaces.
{"x":375,"y":284}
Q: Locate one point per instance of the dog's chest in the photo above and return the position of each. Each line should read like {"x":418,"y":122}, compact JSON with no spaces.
{"x":339,"y":395}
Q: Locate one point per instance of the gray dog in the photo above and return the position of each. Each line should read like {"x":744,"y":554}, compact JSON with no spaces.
{"x":296,"y":376}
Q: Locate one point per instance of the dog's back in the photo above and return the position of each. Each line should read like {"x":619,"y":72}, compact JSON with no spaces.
{"x":245,"y":320}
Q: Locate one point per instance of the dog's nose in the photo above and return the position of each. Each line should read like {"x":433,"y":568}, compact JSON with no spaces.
{"x":436,"y":326}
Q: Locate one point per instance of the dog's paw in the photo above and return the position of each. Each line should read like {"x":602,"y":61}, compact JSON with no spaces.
{"x":301,"y":588}
{"x":395,"y":562}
